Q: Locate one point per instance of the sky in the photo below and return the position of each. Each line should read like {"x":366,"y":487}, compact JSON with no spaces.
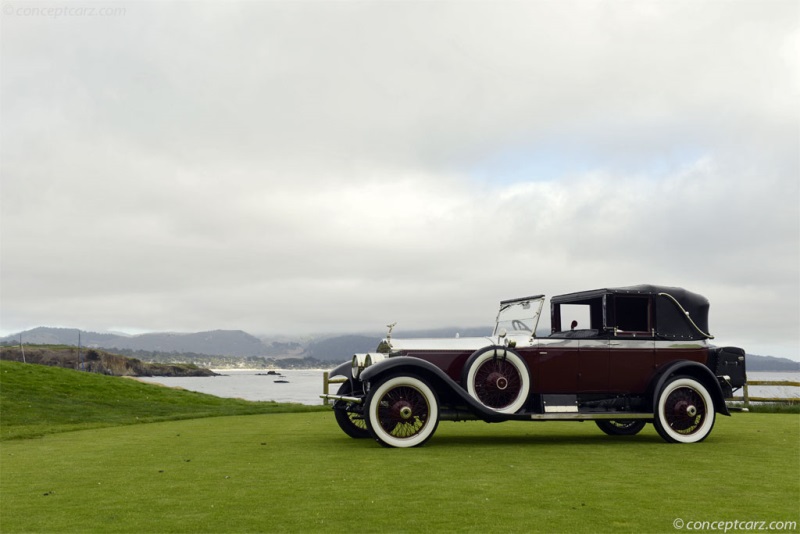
{"x":295,"y":167}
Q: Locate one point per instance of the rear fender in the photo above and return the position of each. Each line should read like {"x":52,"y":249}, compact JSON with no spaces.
{"x":699,"y":372}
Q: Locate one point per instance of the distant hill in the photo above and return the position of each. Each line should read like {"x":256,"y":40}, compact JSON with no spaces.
{"x":757,"y":363}
{"x":216,"y":342}
{"x":341,"y":348}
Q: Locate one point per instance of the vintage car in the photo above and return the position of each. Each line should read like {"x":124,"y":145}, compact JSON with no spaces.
{"x":621,"y":357}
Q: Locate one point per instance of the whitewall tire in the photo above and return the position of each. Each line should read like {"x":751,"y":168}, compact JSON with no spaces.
{"x":684,"y":411}
{"x":402,"y":412}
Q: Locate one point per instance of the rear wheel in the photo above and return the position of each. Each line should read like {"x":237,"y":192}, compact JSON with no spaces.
{"x":684,"y":411}
{"x":351,"y":423}
{"x":621,"y":427}
{"x":402,"y":411}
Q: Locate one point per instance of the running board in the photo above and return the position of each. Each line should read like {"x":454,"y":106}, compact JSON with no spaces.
{"x":566,"y":416}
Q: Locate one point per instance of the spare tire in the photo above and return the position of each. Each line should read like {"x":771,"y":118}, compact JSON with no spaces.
{"x":498,"y":378}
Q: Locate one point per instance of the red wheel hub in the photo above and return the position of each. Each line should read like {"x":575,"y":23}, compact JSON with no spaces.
{"x":496,"y":381}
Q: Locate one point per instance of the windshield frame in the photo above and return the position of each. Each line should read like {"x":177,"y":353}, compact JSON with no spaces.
{"x":512,"y":310}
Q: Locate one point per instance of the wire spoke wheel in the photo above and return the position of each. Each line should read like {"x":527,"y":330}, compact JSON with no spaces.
{"x":621,"y":427}
{"x":497,"y":378}
{"x":349,"y":417}
{"x":402,"y":412}
{"x":497,"y":383}
{"x":685,"y":411}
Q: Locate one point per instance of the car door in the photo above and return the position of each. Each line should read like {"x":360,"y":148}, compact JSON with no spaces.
{"x":554,"y":366}
{"x":631,"y":364}
{"x":593,"y":366}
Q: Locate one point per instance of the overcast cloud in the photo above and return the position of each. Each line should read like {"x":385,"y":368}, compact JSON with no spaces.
{"x":298,"y":167}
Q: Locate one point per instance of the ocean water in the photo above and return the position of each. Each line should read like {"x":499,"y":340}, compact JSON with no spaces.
{"x":302,"y":386}
{"x":305,"y":386}
{"x":781,"y":392}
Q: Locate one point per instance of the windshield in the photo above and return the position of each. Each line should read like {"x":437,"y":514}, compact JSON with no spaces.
{"x":519,"y":316}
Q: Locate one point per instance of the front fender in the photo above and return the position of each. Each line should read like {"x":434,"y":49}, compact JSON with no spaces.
{"x":409,"y":365}
{"x":379,"y":368}
{"x":345,"y":370}
{"x":695,"y":370}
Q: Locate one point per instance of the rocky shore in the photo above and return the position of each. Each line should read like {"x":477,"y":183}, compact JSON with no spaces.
{"x":98,"y":361}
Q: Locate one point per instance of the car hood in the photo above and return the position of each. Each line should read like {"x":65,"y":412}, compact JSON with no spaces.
{"x":463,"y":343}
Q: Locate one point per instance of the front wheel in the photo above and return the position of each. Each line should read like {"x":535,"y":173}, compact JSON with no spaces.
{"x":684,"y":411}
{"x":621,"y":427}
{"x":402,"y":412}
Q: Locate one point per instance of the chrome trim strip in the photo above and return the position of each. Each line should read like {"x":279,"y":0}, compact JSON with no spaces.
{"x":545,"y":343}
{"x":593,"y":343}
{"x":620,"y":343}
{"x":681,"y":344}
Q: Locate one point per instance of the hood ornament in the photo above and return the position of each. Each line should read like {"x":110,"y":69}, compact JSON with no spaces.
{"x":389,"y":333}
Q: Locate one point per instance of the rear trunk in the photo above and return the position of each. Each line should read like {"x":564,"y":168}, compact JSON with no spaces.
{"x":730,"y":362}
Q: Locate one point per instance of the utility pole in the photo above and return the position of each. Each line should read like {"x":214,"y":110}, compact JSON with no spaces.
{"x":22,"y":348}
{"x":80,"y":355}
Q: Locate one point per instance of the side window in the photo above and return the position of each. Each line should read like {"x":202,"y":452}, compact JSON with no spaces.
{"x":575,"y":313}
{"x":578,"y":319}
{"x":633,"y":315}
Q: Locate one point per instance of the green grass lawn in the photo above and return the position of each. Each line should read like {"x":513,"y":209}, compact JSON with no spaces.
{"x":36,"y":400}
{"x":299,"y":473}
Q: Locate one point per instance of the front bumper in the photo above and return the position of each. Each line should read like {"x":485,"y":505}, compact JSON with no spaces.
{"x":343,"y":398}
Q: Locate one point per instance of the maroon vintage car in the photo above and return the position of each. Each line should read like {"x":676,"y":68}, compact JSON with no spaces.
{"x":621,"y":357}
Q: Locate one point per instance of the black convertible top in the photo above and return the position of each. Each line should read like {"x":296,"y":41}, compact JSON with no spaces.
{"x":678,"y":312}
